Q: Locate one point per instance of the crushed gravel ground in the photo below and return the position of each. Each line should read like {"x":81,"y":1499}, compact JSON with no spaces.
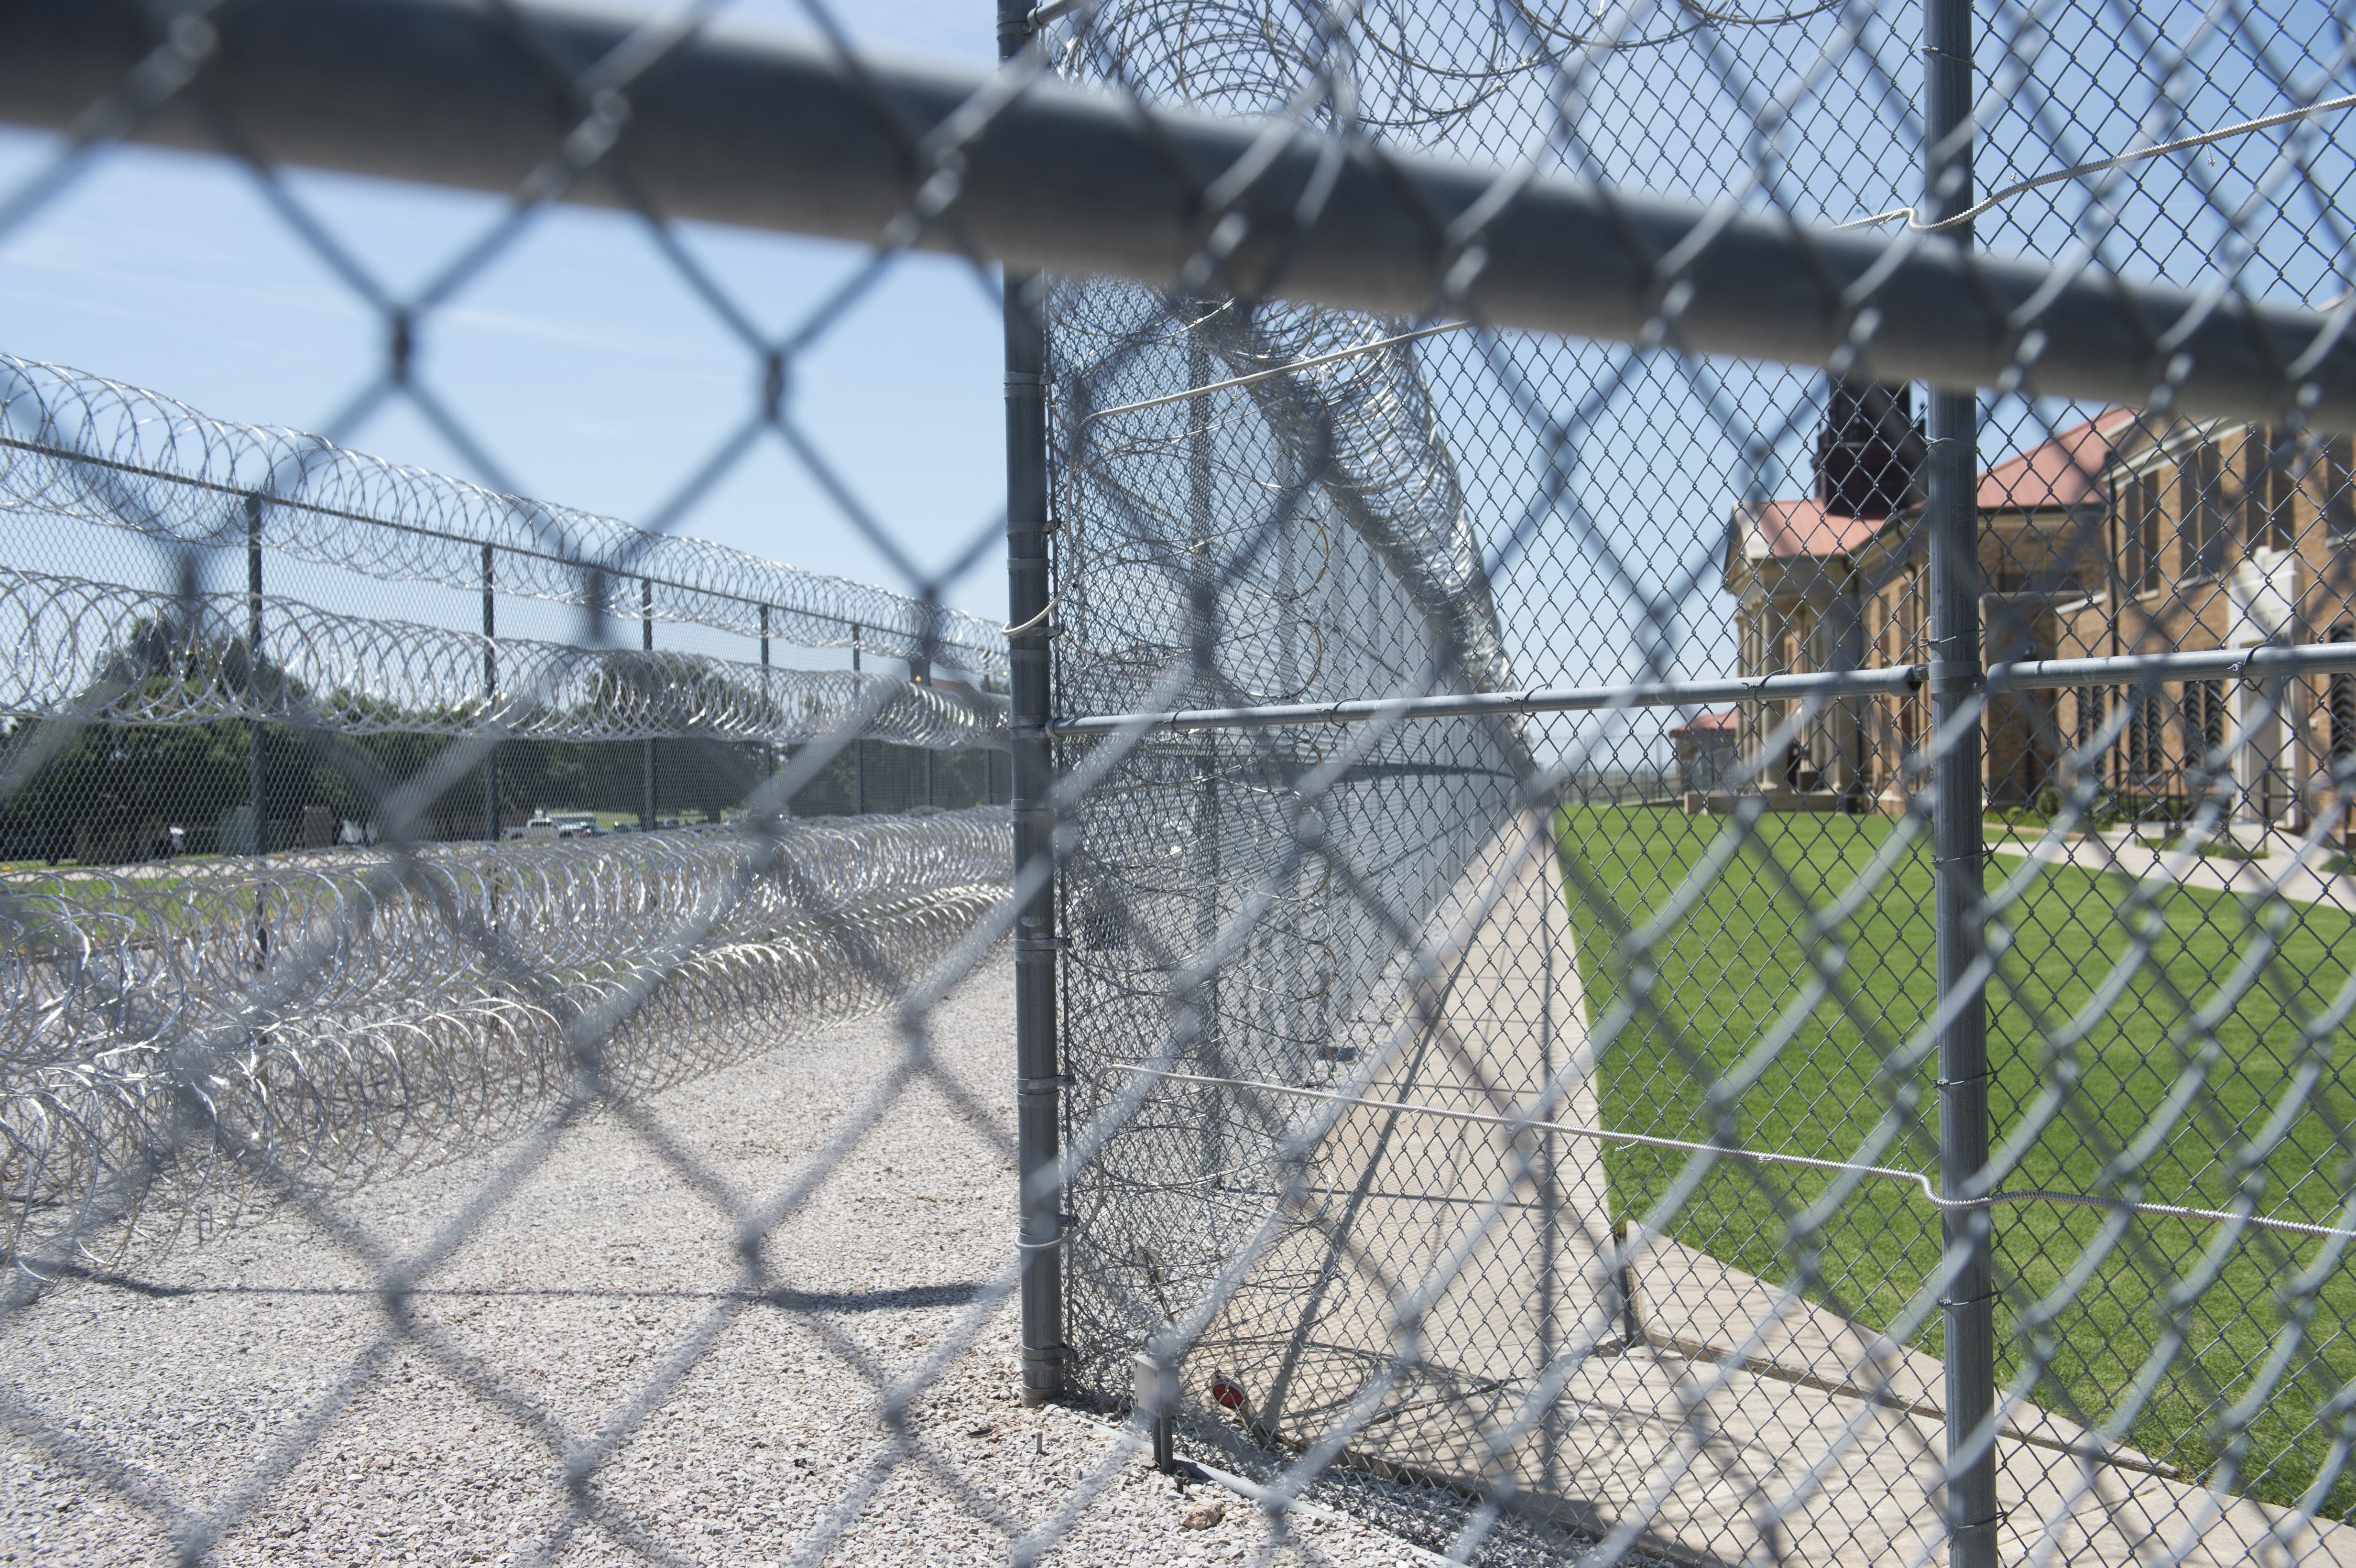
{"x":573,"y":1314}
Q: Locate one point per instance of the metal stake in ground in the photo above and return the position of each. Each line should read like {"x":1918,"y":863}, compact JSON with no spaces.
{"x":1957,"y":689}
{"x":1038,"y":1066}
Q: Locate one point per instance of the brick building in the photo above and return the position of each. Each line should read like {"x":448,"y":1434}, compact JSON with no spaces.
{"x":2118,"y":535}
{"x":2218,"y":536}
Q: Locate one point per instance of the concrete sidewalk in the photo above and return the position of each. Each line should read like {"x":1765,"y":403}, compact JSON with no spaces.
{"x":1740,"y":1423}
{"x":2121,"y":851}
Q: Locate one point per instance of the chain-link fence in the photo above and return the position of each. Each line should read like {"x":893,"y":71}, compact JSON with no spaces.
{"x":127,"y":506}
{"x":1679,"y":696}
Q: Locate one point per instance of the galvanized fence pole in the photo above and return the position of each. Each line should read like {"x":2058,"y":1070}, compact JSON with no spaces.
{"x":1038,"y":1065}
{"x":257,"y":845}
{"x":858,"y":748}
{"x":1958,"y":686}
{"x":1209,"y":1046}
{"x":647,"y":643}
{"x":490,"y":697}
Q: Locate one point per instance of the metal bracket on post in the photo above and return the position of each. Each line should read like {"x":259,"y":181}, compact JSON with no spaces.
{"x":1156,"y":1395}
{"x":1955,"y":677}
{"x":1975,"y":1542}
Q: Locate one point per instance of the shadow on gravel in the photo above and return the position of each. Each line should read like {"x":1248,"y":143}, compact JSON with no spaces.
{"x":952,"y":1293}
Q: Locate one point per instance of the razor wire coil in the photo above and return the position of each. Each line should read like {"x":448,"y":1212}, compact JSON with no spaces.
{"x":185,"y":660}
{"x":401,"y":1044}
{"x":74,"y":445}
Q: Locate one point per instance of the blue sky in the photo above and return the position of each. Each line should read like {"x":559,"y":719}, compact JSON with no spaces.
{"x":592,"y":376}
{"x":587,"y":371}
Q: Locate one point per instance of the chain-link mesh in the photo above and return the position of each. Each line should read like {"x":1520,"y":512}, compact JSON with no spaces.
{"x":1643,"y":926}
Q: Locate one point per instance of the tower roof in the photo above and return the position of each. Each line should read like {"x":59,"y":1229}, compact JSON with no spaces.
{"x":2063,"y":471}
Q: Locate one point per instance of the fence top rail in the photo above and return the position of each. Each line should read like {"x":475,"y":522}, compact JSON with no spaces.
{"x":2212,"y":664}
{"x":1058,"y":178}
{"x":103,"y":452}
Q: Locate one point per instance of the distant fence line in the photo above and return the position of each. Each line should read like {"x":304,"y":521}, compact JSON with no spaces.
{"x":115,"y":655}
{"x":75,"y":445}
{"x":203,"y":717}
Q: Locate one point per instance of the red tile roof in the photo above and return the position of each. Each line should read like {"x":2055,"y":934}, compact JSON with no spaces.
{"x":2063,"y":472}
{"x":2059,"y":473}
{"x":1788,"y":529}
{"x":1704,"y":722}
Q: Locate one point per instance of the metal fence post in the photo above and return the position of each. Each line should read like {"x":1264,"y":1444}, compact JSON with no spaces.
{"x":1957,"y":690}
{"x":1200,"y":500}
{"x":490,"y":696}
{"x":1038,"y":1065}
{"x":646,"y":645}
{"x":858,"y":748}
{"x":253,"y":682}
{"x":259,"y":845}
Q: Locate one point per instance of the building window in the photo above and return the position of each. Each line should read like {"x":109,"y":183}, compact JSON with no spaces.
{"x":2145,"y":716}
{"x":2204,"y":720}
{"x":2272,"y":483}
{"x":2142,"y":531}
{"x":2342,"y":705}
{"x":2090,"y":717}
{"x":2339,"y":489}
{"x":2202,"y":517}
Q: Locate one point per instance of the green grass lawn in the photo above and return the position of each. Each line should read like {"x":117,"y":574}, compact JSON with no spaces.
{"x":2087,"y":1059}
{"x":160,"y":898}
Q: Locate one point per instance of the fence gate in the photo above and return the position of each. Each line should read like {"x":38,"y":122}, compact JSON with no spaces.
{"x":1736,"y":958}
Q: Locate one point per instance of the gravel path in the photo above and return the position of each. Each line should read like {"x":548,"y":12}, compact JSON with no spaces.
{"x":574,"y":1299}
